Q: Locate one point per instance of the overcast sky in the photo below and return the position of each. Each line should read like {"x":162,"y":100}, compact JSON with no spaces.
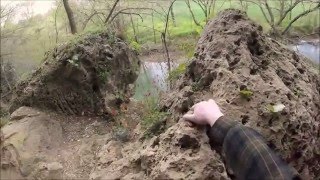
{"x":36,"y":6}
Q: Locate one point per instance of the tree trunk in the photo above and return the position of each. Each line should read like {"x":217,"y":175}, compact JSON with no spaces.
{"x":173,"y":18}
{"x":70,"y":15}
{"x":153,"y":28}
{"x":134,"y":29}
{"x":111,"y":11}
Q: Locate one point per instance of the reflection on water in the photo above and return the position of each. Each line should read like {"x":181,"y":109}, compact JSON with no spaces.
{"x":153,"y":75}
{"x":309,"y":50}
{"x":152,"y":79}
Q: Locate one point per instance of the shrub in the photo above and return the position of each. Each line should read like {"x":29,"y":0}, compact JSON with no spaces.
{"x":153,"y":119}
{"x":175,"y":73}
{"x":3,"y":121}
{"x":135,"y":46}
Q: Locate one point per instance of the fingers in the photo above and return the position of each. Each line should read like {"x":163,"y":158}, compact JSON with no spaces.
{"x":211,"y":101}
{"x":192,"y":108}
{"x":189,"y":117}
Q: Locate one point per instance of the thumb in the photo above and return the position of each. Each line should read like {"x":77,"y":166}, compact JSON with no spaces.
{"x":189,"y":117}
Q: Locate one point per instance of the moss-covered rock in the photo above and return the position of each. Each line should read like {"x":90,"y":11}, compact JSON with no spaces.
{"x":82,"y":77}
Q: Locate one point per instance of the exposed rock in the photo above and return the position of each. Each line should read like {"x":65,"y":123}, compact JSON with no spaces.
{"x":27,"y":144}
{"x":233,"y":55}
{"x":80,"y":78}
{"x":182,"y":152}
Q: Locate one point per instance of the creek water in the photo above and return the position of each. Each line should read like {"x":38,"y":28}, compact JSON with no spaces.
{"x":153,"y":75}
{"x":309,"y":50}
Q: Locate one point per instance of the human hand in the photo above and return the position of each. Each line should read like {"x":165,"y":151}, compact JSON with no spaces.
{"x":203,"y":113}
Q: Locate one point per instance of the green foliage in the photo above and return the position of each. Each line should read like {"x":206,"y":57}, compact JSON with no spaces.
{"x":153,"y":118}
{"x":135,"y":46}
{"x":103,"y":75}
{"x":246,"y":93}
{"x":297,"y":91}
{"x":175,"y":73}
{"x":188,"y":48}
{"x":271,"y":108}
{"x":74,"y":61}
{"x":120,"y":133}
{"x":3,"y":121}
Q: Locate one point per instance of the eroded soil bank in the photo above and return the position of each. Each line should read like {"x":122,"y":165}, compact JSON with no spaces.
{"x":232,"y":57}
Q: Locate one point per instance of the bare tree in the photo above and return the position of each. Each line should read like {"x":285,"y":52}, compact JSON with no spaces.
{"x":192,"y":14}
{"x":70,"y":15}
{"x":206,"y":7}
{"x":284,"y":9}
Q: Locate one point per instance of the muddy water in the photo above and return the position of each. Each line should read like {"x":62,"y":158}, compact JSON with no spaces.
{"x":152,"y":79}
{"x":153,"y":75}
{"x":310,"y":50}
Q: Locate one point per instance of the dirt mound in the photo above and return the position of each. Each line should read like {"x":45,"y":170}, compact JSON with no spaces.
{"x":83,"y":77}
{"x":249,"y":75}
{"x":182,"y":152}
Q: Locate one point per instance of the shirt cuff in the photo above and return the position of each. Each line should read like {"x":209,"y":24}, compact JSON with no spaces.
{"x":219,"y":130}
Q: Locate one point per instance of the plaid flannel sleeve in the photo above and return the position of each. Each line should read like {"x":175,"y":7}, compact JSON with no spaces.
{"x":246,"y":154}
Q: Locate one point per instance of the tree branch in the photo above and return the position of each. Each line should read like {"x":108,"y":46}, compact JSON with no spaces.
{"x":299,"y":16}
{"x":111,"y":11}
{"x":287,"y":11}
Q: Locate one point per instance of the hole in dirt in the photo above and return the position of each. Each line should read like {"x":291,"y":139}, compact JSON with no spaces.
{"x":155,"y":142}
{"x":216,"y":54}
{"x":244,"y":119}
{"x":227,"y":101}
{"x":187,"y":142}
{"x":109,"y":55}
{"x":243,"y":87}
{"x":237,"y":42}
{"x":271,"y":145}
{"x":301,"y":71}
{"x":228,"y":57}
{"x":253,"y":71}
{"x":297,"y":155}
{"x":95,"y":87}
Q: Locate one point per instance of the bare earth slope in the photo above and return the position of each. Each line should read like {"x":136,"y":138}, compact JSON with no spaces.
{"x":233,"y":59}
{"x":233,"y":55}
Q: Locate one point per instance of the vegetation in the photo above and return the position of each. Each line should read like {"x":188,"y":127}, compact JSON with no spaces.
{"x":153,"y":120}
{"x":175,"y":73}
{"x":246,"y":93}
{"x":24,"y":40}
{"x":3,"y":121}
{"x":26,"y":37}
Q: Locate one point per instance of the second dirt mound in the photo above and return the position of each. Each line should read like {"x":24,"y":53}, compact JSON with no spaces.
{"x":85,"y":77}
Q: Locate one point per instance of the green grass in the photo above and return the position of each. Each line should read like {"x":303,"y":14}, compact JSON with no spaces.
{"x":145,"y":87}
{"x":186,"y":27}
{"x":153,"y":119}
{"x":177,"y":72}
{"x":39,"y":36}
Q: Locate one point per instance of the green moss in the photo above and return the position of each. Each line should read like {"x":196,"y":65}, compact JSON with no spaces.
{"x":103,"y":75}
{"x":135,"y":46}
{"x":153,"y":119}
{"x":246,"y":93}
{"x":3,"y":121}
{"x":188,"y":48}
{"x":74,"y":60}
{"x":297,"y":91}
{"x":175,"y":73}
